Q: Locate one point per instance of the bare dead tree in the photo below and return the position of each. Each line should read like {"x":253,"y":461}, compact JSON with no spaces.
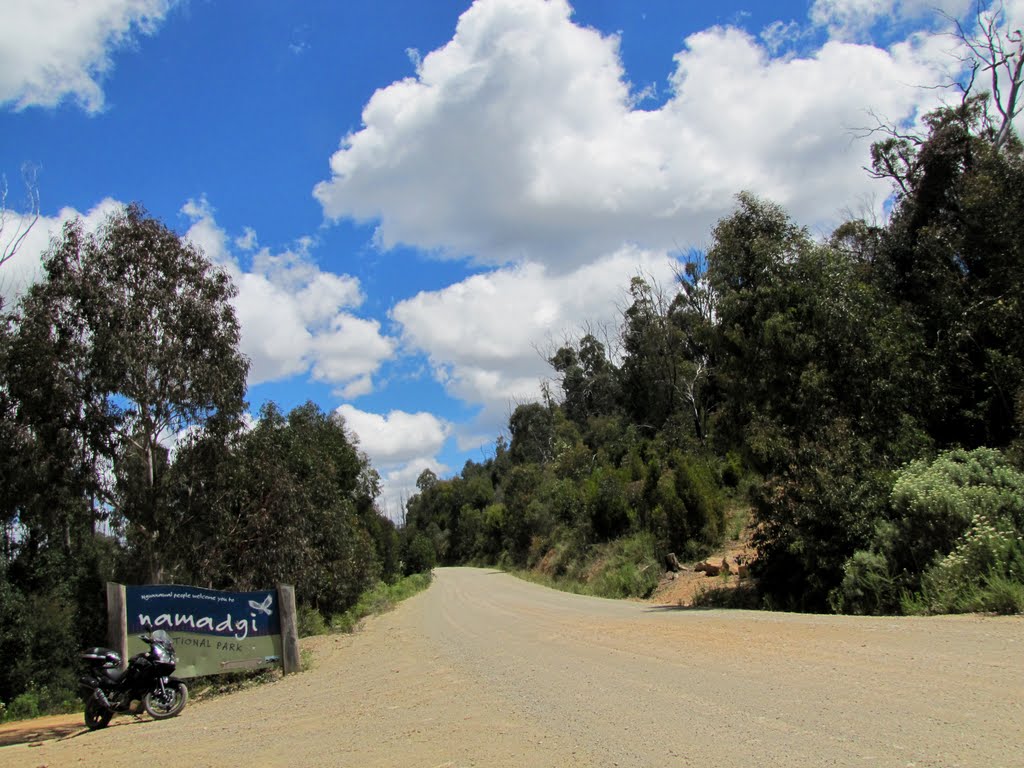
{"x":994,"y":51}
{"x":697,"y":297}
{"x":13,"y":233}
{"x":989,"y":49}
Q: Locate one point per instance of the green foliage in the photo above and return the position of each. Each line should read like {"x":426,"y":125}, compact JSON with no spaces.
{"x":309,"y":621}
{"x":814,"y":515}
{"x":420,"y":557}
{"x":129,"y":337}
{"x":38,"y":700}
{"x":627,"y":567}
{"x":868,"y":586}
{"x":589,"y":380}
{"x":532,"y":428}
{"x":743,"y":596}
{"x":604,"y":494}
{"x":624,"y":568}
{"x":953,"y":256}
{"x":936,"y":503}
{"x":732,"y":470}
{"x":951,"y":541}
{"x":984,"y":572}
{"x":288,"y":502}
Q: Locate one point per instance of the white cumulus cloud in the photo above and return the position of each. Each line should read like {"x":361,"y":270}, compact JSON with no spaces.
{"x":396,"y":437}
{"x":487,"y":337}
{"x":400,"y":446}
{"x":295,"y":318}
{"x":52,"y":49}
{"x":518,"y":140}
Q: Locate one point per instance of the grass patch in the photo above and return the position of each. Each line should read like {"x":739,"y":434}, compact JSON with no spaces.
{"x":379,"y":599}
{"x":737,"y":520}
{"x":38,"y":701}
{"x":997,"y":594}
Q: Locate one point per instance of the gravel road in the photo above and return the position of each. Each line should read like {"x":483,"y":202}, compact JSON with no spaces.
{"x":485,"y":670}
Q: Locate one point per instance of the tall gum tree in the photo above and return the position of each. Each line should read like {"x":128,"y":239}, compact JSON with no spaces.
{"x":155,"y":355}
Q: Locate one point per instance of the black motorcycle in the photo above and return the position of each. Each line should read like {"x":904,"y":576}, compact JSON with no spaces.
{"x":108,"y":689}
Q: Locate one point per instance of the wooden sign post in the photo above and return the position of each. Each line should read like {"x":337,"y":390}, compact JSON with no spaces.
{"x":117,"y":621}
{"x":289,"y":629}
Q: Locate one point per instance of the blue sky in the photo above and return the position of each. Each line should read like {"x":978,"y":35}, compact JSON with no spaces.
{"x":419,"y":200}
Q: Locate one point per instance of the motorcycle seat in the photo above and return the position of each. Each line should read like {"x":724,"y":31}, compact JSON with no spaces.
{"x":113,"y":674}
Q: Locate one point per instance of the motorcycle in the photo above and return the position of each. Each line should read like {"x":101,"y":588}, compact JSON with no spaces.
{"x":107,"y":689}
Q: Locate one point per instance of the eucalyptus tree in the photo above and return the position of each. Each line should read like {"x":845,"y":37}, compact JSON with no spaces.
{"x":128,"y":341}
{"x":654,"y":371}
{"x":817,"y":367}
{"x":953,"y":256}
{"x":589,"y":380}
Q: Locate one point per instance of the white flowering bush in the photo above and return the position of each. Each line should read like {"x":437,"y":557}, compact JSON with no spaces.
{"x":934,"y":503}
{"x":952,"y":543}
{"x":983,"y":570}
{"x":987,"y":546}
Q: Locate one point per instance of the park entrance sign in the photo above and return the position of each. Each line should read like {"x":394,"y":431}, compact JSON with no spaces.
{"x":213,"y":631}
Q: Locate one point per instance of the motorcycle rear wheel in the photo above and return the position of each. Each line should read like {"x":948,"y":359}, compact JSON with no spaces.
{"x":96,"y":714}
{"x":161,"y":706}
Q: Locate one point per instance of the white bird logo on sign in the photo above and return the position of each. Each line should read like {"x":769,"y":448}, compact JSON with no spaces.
{"x":263,"y":607}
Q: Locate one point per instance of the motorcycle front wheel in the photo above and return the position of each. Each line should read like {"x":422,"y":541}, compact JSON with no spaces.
{"x":96,"y":714}
{"x":166,"y":703}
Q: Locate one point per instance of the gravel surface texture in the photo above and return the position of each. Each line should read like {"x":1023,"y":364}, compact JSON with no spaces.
{"x":483,"y":669}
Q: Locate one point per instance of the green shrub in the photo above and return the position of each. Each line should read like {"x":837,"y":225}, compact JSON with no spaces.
{"x":1003,"y":595}
{"x":627,"y":567}
{"x":310,"y":621}
{"x":743,"y":596}
{"x":958,"y":534}
{"x":867,"y":587}
{"x":985,"y":572}
{"x":421,"y":556}
{"x":24,"y":706}
{"x":39,"y":700}
{"x":732,"y":470}
{"x":934,"y":504}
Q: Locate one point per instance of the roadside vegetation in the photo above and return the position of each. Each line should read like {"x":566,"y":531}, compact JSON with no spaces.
{"x":378,"y":599}
{"x":858,"y":398}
